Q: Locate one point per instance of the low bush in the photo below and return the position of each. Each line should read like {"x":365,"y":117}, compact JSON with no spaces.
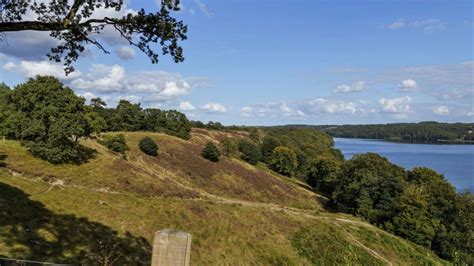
{"x":211,"y":152}
{"x":148,"y":146}
{"x":115,"y":143}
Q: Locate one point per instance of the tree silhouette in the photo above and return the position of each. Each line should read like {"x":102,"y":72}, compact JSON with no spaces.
{"x":75,"y":24}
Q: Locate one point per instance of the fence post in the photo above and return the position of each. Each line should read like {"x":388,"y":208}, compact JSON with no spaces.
{"x":171,"y":248}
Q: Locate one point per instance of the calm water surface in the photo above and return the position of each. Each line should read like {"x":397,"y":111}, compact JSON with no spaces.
{"x":455,"y":162}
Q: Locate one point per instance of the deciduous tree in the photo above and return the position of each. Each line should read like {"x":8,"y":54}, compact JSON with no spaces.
{"x":323,"y":174}
{"x":283,"y":161}
{"x":48,"y":118}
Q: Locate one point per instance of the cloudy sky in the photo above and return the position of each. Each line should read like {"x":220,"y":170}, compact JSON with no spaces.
{"x":281,"y":61}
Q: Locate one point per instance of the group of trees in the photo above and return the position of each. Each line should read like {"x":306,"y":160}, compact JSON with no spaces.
{"x":209,"y":125}
{"x":286,"y":150}
{"x":50,"y":119}
{"x":129,"y":116}
{"x":291,"y":150}
{"x":423,"y":132}
{"x":419,"y":204}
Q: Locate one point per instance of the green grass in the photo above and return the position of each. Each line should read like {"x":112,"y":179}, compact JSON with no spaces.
{"x":111,"y":207}
{"x":64,"y":224}
{"x":178,"y":170}
{"x":320,"y":244}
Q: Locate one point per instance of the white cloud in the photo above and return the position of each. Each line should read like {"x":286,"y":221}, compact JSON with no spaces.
{"x":470,"y":113}
{"x":396,"y":25}
{"x":186,"y":106}
{"x":342,"y":88}
{"x":320,"y":106}
{"x":300,"y":113}
{"x":214,"y":108}
{"x":88,"y":96}
{"x":172,"y":90}
{"x":427,"y":25}
{"x":203,"y":7}
{"x":125,"y":52}
{"x":246,"y":111}
{"x":396,"y":105}
{"x":130,"y":98}
{"x":317,"y":101}
{"x":284,"y":108}
{"x":451,"y":82}
{"x":408,"y":85}
{"x":354,"y":87}
{"x":153,"y":86}
{"x":45,"y":68}
{"x":9,"y":66}
{"x":340,"y":107}
{"x":102,"y":78}
{"x":441,"y":110}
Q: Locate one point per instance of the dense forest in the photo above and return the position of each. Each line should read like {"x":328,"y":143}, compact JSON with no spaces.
{"x":423,"y":132}
{"x":418,"y":205}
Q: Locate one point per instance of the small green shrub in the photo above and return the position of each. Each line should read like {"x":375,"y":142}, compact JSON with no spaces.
{"x":211,"y":152}
{"x":115,"y":143}
{"x":148,"y":146}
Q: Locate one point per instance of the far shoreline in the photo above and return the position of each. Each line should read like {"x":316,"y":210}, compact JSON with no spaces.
{"x":438,"y":142}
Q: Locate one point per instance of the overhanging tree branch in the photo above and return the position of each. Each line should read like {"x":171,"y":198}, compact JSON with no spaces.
{"x":73,"y":25}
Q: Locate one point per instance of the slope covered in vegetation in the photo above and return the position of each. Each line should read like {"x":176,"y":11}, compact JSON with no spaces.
{"x":237,"y":213}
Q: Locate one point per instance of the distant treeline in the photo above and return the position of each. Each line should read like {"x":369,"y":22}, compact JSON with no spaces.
{"x":423,"y":132}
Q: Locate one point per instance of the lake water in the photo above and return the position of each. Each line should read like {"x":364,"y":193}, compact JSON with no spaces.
{"x":455,"y":162}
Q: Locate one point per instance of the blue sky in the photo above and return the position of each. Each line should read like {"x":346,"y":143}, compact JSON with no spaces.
{"x":279,"y":62}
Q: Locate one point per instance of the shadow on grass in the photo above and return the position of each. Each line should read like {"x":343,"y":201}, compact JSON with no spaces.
{"x":2,"y":159}
{"x":69,"y":152}
{"x":325,"y":201}
{"x":30,"y":231}
{"x":84,"y":154}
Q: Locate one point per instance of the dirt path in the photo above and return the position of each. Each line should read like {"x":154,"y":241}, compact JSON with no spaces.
{"x":355,"y":241}
{"x":208,"y":197}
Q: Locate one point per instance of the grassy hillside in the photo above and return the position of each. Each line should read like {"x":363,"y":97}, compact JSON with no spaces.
{"x":109,"y":208}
